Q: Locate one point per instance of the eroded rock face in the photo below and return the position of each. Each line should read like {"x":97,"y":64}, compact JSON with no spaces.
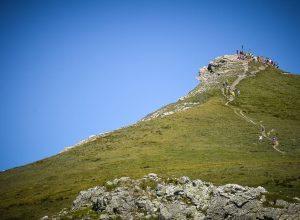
{"x":155,"y":198}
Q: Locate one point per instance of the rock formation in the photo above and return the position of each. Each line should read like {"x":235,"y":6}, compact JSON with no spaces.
{"x":211,"y":77}
{"x":153,"y":197}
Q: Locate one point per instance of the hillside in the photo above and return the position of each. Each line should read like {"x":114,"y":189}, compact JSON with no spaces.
{"x":199,"y":136}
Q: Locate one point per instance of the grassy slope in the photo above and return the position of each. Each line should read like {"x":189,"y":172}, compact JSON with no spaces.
{"x":208,"y":142}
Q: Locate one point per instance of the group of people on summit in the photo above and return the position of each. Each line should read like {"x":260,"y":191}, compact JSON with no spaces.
{"x":258,"y":59}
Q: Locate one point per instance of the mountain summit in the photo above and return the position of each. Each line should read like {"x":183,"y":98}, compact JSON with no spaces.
{"x":240,"y":125}
{"x":211,"y":77}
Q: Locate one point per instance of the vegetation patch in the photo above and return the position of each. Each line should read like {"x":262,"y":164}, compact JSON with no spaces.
{"x":145,"y":183}
{"x":271,"y":199}
{"x":79,"y":214}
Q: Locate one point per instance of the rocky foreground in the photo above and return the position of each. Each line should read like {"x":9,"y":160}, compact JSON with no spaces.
{"x":153,"y":197}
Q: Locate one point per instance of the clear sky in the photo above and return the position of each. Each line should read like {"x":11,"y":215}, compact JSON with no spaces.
{"x":70,"y":69}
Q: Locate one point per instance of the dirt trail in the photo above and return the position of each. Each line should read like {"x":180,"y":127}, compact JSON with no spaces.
{"x":240,"y":113}
{"x":275,"y":147}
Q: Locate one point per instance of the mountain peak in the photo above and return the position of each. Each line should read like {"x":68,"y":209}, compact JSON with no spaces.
{"x":211,"y":77}
{"x":221,"y":65}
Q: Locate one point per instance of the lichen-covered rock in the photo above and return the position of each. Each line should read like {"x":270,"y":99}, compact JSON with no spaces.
{"x":153,"y":197}
{"x":88,"y":197}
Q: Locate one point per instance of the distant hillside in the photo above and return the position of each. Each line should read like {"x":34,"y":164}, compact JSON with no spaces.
{"x":210,"y":134}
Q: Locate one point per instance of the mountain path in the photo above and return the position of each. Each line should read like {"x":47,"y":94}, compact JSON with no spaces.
{"x":240,"y":113}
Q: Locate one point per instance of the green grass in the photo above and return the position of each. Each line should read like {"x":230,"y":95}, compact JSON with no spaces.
{"x":148,"y":183}
{"x":79,"y":214}
{"x":208,"y":142}
{"x":271,"y":199}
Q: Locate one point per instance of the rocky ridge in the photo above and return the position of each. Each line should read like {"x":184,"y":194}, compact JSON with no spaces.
{"x":210,"y":77}
{"x":153,"y":197}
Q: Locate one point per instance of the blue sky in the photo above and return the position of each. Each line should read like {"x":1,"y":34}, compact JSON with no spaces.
{"x":70,"y":69}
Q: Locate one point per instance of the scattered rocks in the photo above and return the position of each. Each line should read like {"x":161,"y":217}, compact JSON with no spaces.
{"x":170,"y":110}
{"x":153,"y":197}
{"x":92,"y":138}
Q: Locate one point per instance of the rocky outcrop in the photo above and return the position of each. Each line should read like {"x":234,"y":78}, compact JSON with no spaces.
{"x":218,"y":71}
{"x":211,"y":77}
{"x":153,"y":197}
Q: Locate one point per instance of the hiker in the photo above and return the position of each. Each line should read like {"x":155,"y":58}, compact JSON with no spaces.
{"x":259,"y":59}
{"x":274,"y":140}
{"x":263,"y":131}
{"x":271,"y":62}
{"x":227,"y":88}
{"x":238,"y":92}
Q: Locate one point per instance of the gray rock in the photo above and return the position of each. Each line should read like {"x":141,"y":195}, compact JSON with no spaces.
{"x":164,"y":213}
{"x":124,"y":179}
{"x":85,"y":198}
{"x":178,"y":199}
{"x":160,"y":190}
{"x":151,"y":176}
{"x":104,"y":217}
{"x":184,"y":180}
{"x":174,"y":210}
{"x":145,"y":204}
